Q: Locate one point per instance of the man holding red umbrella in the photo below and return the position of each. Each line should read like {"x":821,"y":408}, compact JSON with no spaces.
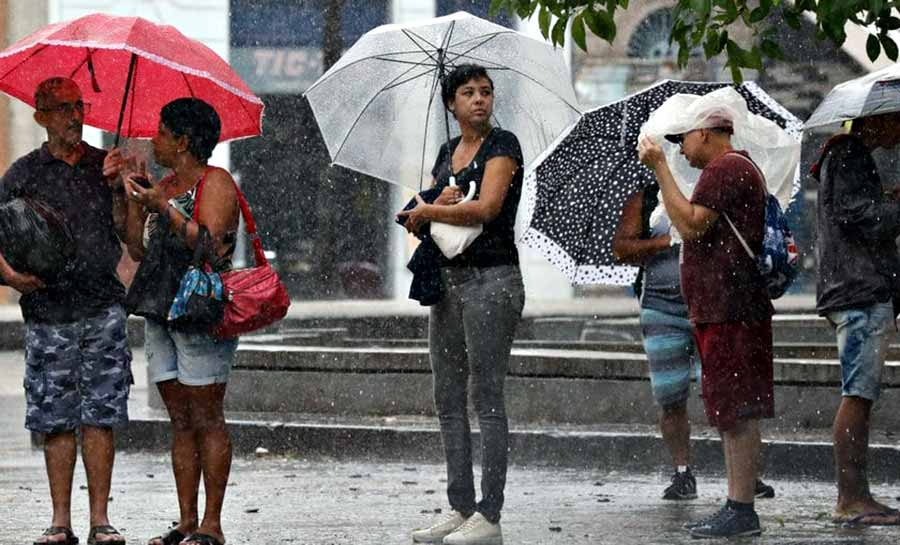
{"x":78,"y":363}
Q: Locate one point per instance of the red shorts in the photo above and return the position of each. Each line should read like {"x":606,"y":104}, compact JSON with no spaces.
{"x":736,"y":359}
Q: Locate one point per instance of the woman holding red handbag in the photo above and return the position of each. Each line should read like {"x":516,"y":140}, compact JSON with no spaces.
{"x":166,"y":222}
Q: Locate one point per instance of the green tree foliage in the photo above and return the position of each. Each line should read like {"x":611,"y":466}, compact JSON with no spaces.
{"x":705,"y":24}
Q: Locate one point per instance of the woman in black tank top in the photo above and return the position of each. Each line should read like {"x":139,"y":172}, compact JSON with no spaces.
{"x":190,"y":368}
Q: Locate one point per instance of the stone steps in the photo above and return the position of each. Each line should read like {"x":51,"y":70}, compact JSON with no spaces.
{"x":544,"y":385}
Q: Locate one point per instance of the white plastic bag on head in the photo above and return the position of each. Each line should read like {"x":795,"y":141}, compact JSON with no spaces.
{"x":776,"y":152}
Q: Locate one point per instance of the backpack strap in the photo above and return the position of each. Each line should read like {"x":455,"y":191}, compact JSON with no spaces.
{"x":733,"y":227}
{"x":740,"y":238}
{"x":259,"y":255}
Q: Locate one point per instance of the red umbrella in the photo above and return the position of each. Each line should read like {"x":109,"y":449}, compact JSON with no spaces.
{"x":128,"y":68}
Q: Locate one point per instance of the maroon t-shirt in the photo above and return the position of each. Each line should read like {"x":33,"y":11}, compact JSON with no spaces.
{"x":719,"y":280}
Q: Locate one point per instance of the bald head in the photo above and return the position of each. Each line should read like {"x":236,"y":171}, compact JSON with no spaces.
{"x":43,"y":95}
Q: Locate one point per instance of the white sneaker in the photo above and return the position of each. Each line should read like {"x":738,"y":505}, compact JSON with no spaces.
{"x":476,"y":531}
{"x":437,"y":532}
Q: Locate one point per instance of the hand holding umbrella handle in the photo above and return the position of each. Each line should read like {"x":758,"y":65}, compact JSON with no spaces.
{"x":470,"y":195}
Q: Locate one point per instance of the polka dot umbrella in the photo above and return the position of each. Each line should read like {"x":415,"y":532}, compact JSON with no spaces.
{"x":575,"y":191}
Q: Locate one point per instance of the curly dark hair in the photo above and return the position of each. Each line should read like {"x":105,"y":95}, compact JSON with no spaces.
{"x":195,"y":119}
{"x":459,"y":76}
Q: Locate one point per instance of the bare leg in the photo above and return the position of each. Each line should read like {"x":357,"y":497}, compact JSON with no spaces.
{"x":185,"y":452}
{"x":98,"y":454}
{"x":741,"y":445}
{"x":208,"y":418}
{"x":60,"y":452}
{"x":676,"y":432}
{"x":851,"y":443}
{"x":729,"y":460}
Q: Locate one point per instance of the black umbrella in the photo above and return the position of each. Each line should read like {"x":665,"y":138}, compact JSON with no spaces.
{"x":574,"y":194}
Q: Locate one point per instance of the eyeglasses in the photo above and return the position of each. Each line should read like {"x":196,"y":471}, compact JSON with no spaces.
{"x":68,"y":108}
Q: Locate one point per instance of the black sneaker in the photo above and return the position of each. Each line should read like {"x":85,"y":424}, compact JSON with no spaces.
{"x":763,"y":490}
{"x":697,"y":523}
{"x":683,"y":487}
{"x":729,"y":523}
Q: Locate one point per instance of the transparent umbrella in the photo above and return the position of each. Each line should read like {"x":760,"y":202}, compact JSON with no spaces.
{"x":872,"y":94}
{"x":379,"y":107}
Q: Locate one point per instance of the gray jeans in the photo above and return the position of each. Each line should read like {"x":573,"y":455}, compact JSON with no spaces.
{"x":470,"y":333}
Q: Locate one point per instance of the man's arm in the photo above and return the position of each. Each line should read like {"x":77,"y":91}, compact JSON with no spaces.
{"x":24,"y":283}
{"x":691,"y":220}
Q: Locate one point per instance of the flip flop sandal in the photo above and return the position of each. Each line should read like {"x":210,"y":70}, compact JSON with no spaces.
{"x":203,"y":539}
{"x":56,"y":530}
{"x":172,"y":537}
{"x":860,"y":519}
{"x":107,"y":530}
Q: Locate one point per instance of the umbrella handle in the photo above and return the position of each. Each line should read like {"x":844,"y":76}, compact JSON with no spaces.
{"x":470,"y":195}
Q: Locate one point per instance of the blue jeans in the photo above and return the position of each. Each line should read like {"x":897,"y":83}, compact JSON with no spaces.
{"x":470,"y":332}
{"x":862,"y":338}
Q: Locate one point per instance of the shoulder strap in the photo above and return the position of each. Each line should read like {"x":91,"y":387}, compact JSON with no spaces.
{"x":259,"y":255}
{"x":755,"y":167}
{"x":740,"y":238}
{"x":730,"y":223}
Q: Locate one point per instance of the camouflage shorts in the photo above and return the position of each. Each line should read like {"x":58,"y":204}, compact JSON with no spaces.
{"x":77,"y":373}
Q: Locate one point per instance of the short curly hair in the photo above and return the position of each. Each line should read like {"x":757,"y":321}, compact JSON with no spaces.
{"x":458,"y":77}
{"x":195,"y":119}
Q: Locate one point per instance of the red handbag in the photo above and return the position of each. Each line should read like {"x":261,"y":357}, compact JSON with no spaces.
{"x":255,"y":297}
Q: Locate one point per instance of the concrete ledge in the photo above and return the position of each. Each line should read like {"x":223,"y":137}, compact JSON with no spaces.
{"x":543,"y":447}
{"x":578,"y":387}
{"x":786,"y":328}
{"x":524,"y":362}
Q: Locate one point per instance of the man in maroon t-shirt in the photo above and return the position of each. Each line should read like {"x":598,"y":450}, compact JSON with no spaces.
{"x":727,"y":303}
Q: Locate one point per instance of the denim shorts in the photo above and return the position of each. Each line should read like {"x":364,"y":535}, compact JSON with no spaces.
{"x":671,"y":354}
{"x":194,"y":359}
{"x":862,"y":338}
{"x":77,"y":373}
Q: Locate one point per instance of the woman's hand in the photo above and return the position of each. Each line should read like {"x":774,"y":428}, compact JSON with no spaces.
{"x":450,"y":195}
{"x":152,"y":199}
{"x":415,"y":216}
{"x":116,"y":165}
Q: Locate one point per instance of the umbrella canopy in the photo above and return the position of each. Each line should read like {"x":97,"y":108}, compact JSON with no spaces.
{"x":872,"y":94}
{"x":575,"y":192}
{"x":105,"y":55}
{"x":379,"y":107}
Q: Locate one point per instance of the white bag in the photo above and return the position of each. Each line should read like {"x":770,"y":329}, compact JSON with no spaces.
{"x":454,"y":239}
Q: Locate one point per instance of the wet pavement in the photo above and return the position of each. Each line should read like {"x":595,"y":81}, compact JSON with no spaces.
{"x":306,"y":501}
{"x":320,"y":501}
